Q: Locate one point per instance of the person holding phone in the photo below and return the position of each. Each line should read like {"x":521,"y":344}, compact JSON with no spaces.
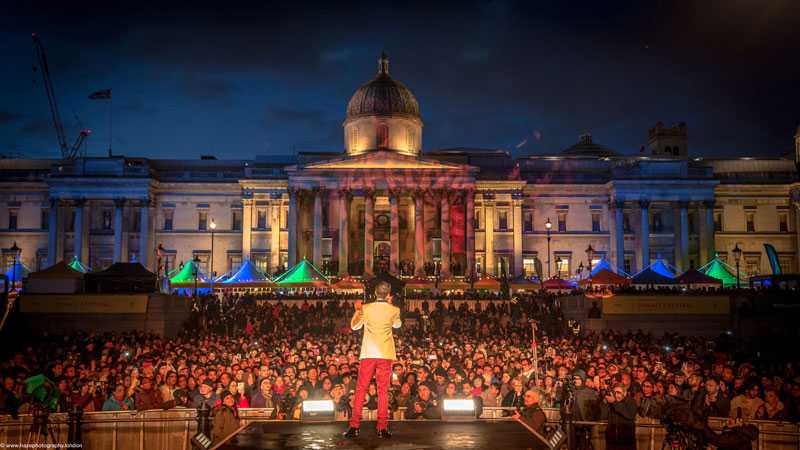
{"x":377,"y":355}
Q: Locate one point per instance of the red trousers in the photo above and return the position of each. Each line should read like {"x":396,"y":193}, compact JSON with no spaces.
{"x":383,"y":370}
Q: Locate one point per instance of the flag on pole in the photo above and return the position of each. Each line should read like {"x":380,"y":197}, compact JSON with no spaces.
{"x":103,"y":94}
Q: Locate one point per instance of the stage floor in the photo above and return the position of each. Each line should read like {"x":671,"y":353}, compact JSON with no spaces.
{"x":406,"y":435}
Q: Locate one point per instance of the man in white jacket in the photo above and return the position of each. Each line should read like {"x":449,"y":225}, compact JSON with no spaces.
{"x":377,"y":354}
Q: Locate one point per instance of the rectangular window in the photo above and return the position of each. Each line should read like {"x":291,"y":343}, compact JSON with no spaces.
{"x":436,"y":247}
{"x":135,"y":222}
{"x":202,"y":220}
{"x":234,"y":262}
{"x":169,"y":214}
{"x":752,"y":264}
{"x":476,"y":219}
{"x":628,"y":264}
{"x":479,"y":265}
{"x":261,"y":221}
{"x":529,"y":266}
{"x":13,"y":215}
{"x":502,"y":220}
{"x":284,"y":262}
{"x":44,"y":219}
{"x":205,"y":260}
{"x":657,"y":223}
{"x":718,"y":221}
{"x":261,"y":260}
{"x":562,"y":222}
{"x":41,"y":259}
{"x":783,"y":222}
{"x":563,"y":265}
{"x":751,"y":222}
{"x":626,"y":223}
{"x":284,"y":217}
{"x":108,"y":220}
{"x":528,"y":225}
{"x":787,"y":263}
{"x":503,"y":265}
{"x":595,"y":222}
{"x":69,"y":226}
{"x":236,"y":220}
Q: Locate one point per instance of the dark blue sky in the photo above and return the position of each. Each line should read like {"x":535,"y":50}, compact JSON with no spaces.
{"x":524,"y":76}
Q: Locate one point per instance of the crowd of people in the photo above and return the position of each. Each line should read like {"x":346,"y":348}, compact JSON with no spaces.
{"x":255,"y":354}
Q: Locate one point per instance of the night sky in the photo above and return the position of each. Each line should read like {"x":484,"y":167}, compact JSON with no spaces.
{"x":525,"y":76}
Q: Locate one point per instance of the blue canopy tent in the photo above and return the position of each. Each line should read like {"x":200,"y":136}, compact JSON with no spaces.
{"x":247,"y":276}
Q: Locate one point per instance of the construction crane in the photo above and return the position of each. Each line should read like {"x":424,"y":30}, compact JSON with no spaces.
{"x":67,"y":152}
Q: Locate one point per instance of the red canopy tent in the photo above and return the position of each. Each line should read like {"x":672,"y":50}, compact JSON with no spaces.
{"x":488,"y":283}
{"x":696,"y":278}
{"x":606,"y":277}
{"x":419,"y":283}
{"x":348,"y":284}
{"x":558,"y":283}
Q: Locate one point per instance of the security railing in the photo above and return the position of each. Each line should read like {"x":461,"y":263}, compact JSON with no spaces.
{"x":172,"y":429}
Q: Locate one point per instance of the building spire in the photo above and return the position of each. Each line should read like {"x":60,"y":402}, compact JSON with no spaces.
{"x":383,"y":64}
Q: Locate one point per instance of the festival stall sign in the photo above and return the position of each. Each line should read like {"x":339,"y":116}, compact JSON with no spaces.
{"x":348,"y":284}
{"x":453,"y":284}
{"x":59,"y":278}
{"x":248,"y":276}
{"x":419,"y":284}
{"x":605,"y":277}
{"x":667,"y":305}
{"x":693,"y":277}
{"x":78,"y":266}
{"x":558,"y":283}
{"x":488,"y":284}
{"x":303,"y":275}
{"x":523,"y":283}
{"x":716,"y":268}
{"x":185,"y":277}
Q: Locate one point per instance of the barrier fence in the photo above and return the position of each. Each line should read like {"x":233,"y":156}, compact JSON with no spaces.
{"x":172,"y":429}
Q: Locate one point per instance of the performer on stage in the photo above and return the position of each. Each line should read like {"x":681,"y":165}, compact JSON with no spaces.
{"x":377,"y":355}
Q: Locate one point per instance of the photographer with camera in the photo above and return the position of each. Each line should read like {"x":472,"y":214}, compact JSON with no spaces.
{"x":620,"y":411}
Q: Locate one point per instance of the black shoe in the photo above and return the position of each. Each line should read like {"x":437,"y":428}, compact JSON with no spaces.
{"x":384,"y":433}
{"x":351,"y":433}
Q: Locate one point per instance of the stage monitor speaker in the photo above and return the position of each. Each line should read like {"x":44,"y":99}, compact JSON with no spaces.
{"x":318,"y":411}
{"x":458,"y":409}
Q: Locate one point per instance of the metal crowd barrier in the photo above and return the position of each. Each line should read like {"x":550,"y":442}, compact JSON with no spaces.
{"x":172,"y":429}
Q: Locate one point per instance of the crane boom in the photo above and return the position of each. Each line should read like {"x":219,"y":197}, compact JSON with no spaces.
{"x":67,"y":152}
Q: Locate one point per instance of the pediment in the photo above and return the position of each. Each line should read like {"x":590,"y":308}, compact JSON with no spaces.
{"x":385,"y":160}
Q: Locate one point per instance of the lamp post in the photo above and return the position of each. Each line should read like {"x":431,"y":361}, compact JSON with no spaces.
{"x":579,"y":270}
{"x":548,"y":225}
{"x":558,"y":267}
{"x":737,"y":256}
{"x":589,"y":256}
{"x":212,"y":226}
{"x":195,"y":262}
{"x":159,"y":255}
{"x":15,"y":251}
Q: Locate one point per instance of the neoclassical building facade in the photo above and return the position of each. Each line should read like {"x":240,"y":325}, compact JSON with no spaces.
{"x":385,"y":204}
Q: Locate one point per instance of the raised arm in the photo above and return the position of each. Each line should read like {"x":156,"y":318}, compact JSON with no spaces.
{"x":357,"y":321}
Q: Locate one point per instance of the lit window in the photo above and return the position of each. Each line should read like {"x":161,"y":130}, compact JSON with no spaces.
{"x":502,"y":220}
{"x":563,"y":264}
{"x":234,"y":262}
{"x":529,"y":266}
{"x":204,"y":258}
{"x":261,"y":260}
{"x":261,"y":223}
{"x":752,"y":264}
{"x":787,"y":263}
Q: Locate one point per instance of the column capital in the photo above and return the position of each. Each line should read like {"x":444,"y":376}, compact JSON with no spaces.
{"x":275,"y":195}
{"x":488,"y":196}
{"x":644,"y":203}
{"x":616,"y":203}
{"x":517,"y":195}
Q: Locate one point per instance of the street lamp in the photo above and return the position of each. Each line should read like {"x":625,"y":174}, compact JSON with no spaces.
{"x":589,"y":256}
{"x":558,"y":267}
{"x":212,"y":226}
{"x":548,"y":225}
{"x":159,"y":254}
{"x":737,"y":256}
{"x":15,"y":252}
{"x":579,"y":270}
{"x":195,"y":265}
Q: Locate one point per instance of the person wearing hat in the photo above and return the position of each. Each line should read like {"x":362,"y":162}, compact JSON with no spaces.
{"x":225,"y":418}
{"x":377,"y":355}
{"x":205,"y":395}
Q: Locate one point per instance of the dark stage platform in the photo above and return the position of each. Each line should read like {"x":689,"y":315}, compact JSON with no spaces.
{"x":406,"y":435}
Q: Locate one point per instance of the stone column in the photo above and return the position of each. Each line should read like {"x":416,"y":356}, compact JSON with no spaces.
{"x":317,"y":233}
{"x":517,"y":202}
{"x":619,"y":234}
{"x":344,"y":233}
{"x":419,"y":233}
{"x":488,"y":232}
{"x":78,"y":229}
{"x":276,"y":203}
{"x":247,"y":228}
{"x":469,"y":218}
{"x":394,"y":259}
{"x":119,"y":204}
{"x":52,"y":232}
{"x":369,"y":216}
{"x":292,"y":225}
{"x":144,"y":232}
{"x":708,"y":248}
{"x":445,"y":228}
{"x":644,"y":205}
{"x":794,"y":197}
{"x":682,"y":237}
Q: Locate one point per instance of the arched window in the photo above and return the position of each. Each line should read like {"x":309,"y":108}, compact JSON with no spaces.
{"x":382,"y":134}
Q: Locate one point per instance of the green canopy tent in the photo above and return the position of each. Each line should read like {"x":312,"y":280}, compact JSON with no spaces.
{"x":716,"y":268}
{"x":303,"y":275}
{"x":185,"y":277}
{"x":77,"y":265}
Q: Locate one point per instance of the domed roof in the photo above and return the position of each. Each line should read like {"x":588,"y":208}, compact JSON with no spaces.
{"x":585,"y":147}
{"x":382,"y":96}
